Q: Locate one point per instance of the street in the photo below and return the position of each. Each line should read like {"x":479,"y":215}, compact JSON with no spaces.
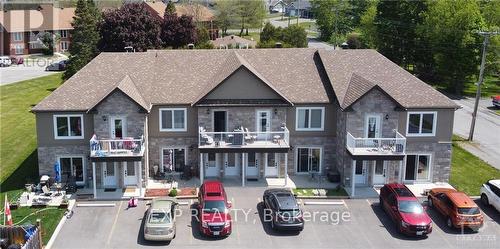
{"x":487,"y":130}
{"x":358,"y":223}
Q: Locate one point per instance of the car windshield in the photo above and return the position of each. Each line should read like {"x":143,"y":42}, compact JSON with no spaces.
{"x":469,"y":211}
{"x":214,"y":207}
{"x":158,"y":217}
{"x":411,"y":207}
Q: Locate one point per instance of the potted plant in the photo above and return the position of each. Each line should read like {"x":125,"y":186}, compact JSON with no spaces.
{"x":64,"y":203}
{"x":172,"y":192}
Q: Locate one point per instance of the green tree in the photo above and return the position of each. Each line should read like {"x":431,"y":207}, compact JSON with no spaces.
{"x":250,"y":14}
{"x":203,"y":37}
{"x":170,"y":9}
{"x":268,"y":33}
{"x":451,"y":28}
{"x":295,"y":36}
{"x":358,"y":8}
{"x":333,"y":19}
{"x":396,"y":23}
{"x":225,"y":15}
{"x":367,"y":26}
{"x":84,"y":36}
{"x":491,"y":14}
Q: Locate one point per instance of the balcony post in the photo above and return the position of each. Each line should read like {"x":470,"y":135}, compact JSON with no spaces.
{"x":140,"y":178}
{"x":201,"y":168}
{"x":243,"y":168}
{"x":353,"y":188}
{"x":94,"y":181}
{"x":286,"y":168}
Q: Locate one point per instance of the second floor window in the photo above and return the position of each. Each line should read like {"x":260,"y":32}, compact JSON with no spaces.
{"x":310,"y":118}
{"x":17,"y":36}
{"x":173,"y":119}
{"x":421,"y":124}
{"x":68,"y":126}
{"x":64,"y":34}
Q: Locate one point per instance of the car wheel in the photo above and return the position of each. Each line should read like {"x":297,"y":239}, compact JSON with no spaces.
{"x":429,"y":202}
{"x":485,"y":200}
{"x":449,"y":223}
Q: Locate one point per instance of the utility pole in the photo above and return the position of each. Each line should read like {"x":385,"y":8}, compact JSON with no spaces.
{"x":486,"y":36}
{"x":335,"y":28}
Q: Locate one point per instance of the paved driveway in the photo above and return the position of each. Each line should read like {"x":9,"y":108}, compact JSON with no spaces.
{"x":364,"y":225}
{"x":32,"y":68}
{"x":486,"y":133}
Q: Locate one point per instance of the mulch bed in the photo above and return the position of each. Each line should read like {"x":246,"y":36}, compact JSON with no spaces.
{"x":153,"y":192}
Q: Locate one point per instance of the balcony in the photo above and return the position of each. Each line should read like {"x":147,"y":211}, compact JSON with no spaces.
{"x":243,"y":139}
{"x":394,"y":146}
{"x":124,"y":147}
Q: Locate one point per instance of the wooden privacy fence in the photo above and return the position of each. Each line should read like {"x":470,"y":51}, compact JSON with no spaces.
{"x":17,"y":235}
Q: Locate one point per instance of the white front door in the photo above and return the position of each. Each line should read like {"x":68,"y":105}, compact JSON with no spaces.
{"x":232,"y":164}
{"x":212,"y":164}
{"x":360,"y":172}
{"x":109,"y":174}
{"x":118,"y":127}
{"x":372,"y":126}
{"x":129,"y":173}
{"x":252,"y":164}
{"x":379,"y":172}
{"x":263,"y":120}
{"x":272,"y":163}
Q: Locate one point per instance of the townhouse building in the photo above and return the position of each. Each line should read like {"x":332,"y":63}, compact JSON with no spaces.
{"x":127,"y":118}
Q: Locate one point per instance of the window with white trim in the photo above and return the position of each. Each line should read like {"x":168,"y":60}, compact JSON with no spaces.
{"x":173,"y":119}
{"x":309,"y":118}
{"x":17,"y":36}
{"x":64,"y":33}
{"x":68,"y":126}
{"x":421,"y":124}
{"x":64,"y":45}
{"x":19,"y":48}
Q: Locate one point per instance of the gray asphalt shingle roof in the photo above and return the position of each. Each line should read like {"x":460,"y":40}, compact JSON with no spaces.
{"x":180,"y":77}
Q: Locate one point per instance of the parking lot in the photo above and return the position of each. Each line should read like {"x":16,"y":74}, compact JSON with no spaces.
{"x":358,"y":223}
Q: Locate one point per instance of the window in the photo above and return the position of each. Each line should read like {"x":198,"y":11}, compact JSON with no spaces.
{"x":68,"y":126}
{"x":173,"y":119}
{"x":64,"y":33}
{"x":417,"y":167}
{"x":308,"y":159}
{"x":421,"y":124}
{"x":17,"y":36}
{"x":19,"y":48}
{"x":173,"y":159}
{"x":64,"y":45}
{"x":309,"y":118}
{"x":72,"y":166}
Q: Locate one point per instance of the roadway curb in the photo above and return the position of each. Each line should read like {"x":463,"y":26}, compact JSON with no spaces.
{"x":72,"y":204}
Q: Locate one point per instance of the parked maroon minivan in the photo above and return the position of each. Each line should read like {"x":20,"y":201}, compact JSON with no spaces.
{"x":405,"y":210}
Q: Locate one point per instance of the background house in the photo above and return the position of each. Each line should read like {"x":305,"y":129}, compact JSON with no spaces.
{"x":21,"y":29}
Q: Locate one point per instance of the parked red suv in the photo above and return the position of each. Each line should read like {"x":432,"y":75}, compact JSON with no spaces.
{"x":405,"y":210}
{"x":213,"y":209}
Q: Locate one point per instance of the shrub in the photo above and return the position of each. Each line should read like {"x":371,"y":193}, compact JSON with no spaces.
{"x":173,"y":192}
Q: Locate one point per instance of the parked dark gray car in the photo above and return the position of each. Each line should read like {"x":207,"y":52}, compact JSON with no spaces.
{"x":282,"y":210}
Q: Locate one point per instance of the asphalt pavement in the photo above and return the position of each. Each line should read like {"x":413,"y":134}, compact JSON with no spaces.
{"x":358,"y":223}
{"x":486,"y":143}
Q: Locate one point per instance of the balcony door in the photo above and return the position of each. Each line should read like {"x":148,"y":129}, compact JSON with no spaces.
{"x":272,"y":162}
{"x":118,"y":127}
{"x":263,"y":119}
{"x":372,"y":126}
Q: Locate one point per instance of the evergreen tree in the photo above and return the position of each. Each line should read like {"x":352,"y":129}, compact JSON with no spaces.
{"x":84,"y":36}
{"x":170,"y":9}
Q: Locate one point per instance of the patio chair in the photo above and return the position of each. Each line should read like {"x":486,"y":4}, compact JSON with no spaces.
{"x":208,"y":139}
{"x":249,"y":136}
{"x":46,"y":191}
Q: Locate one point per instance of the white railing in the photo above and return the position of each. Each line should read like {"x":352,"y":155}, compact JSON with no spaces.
{"x":116,"y":147}
{"x":394,"y":145}
{"x":243,"y":137}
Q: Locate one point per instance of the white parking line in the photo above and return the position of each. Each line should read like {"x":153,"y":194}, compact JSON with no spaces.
{"x":114,"y":224}
{"x":369,"y":202}
{"x":324,"y":202}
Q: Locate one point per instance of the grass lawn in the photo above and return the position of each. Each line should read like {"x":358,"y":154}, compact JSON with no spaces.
{"x":18,"y":155}
{"x":490,"y":87}
{"x":468,"y":172}
{"x":329,"y":192}
{"x":255,"y":36}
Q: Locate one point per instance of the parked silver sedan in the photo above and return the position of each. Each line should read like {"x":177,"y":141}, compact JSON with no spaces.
{"x":160,"y":220}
